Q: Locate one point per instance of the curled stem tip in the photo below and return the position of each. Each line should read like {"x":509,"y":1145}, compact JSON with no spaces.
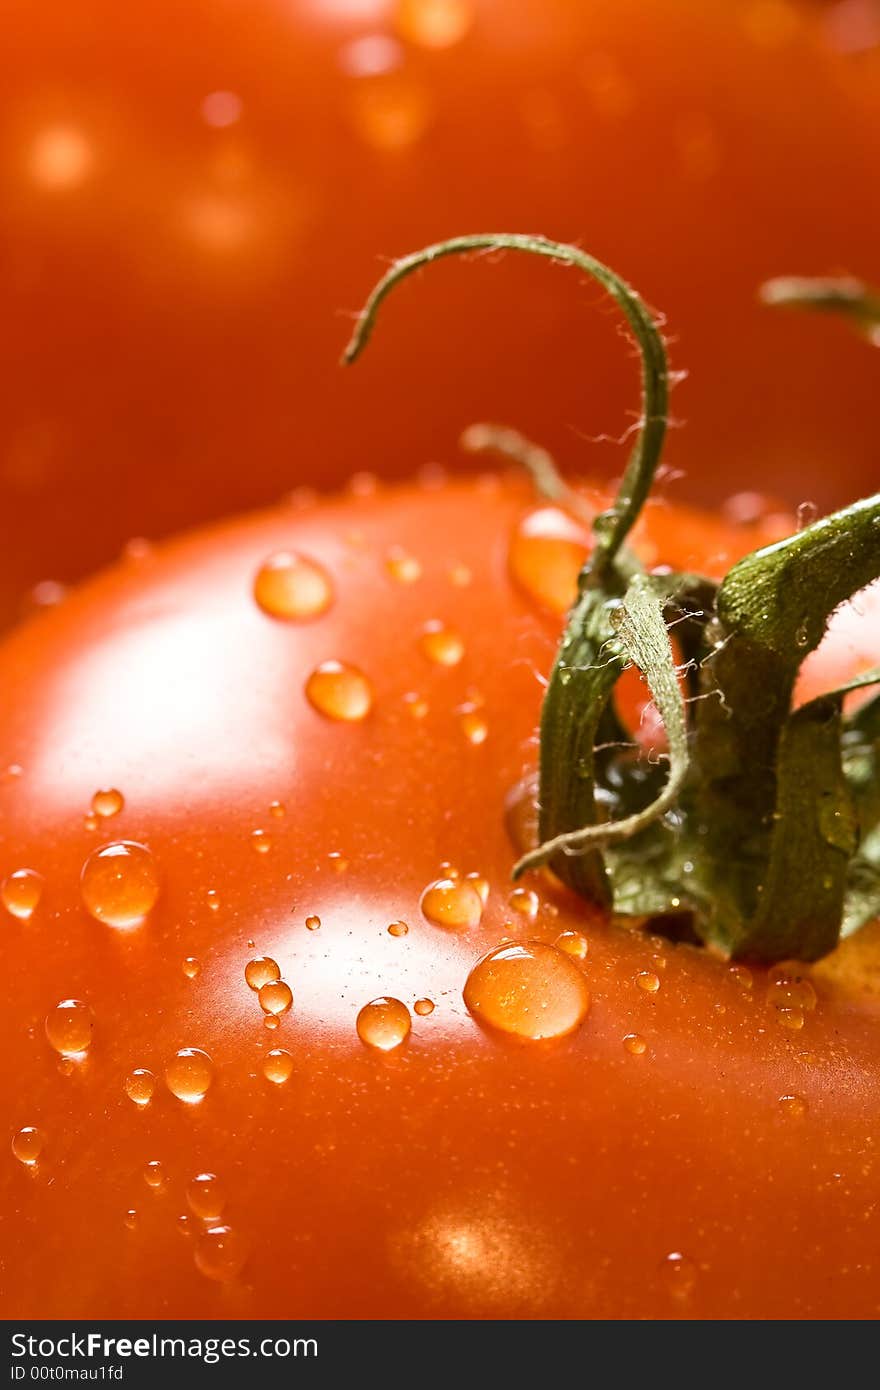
{"x":842,"y":295}
{"x":612,"y":527}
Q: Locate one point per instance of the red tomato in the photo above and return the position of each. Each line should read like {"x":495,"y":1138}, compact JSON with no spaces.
{"x":699,"y":1142}
{"x":186,"y":221}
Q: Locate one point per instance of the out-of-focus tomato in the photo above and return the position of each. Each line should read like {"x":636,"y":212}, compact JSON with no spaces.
{"x":194,"y":193}
{"x":285,"y":779}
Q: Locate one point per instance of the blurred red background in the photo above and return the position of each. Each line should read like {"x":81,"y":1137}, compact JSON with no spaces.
{"x":196,"y":193}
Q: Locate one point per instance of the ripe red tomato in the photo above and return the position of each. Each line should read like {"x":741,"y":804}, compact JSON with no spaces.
{"x":187,"y":221}
{"x":701,"y":1142}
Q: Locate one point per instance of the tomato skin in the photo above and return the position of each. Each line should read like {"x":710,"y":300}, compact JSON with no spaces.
{"x":174,"y":318}
{"x":465,"y":1174}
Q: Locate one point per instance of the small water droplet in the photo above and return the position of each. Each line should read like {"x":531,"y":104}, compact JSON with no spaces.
{"x":434,"y":23}
{"x":154,"y":1175}
{"x":69,"y":1027}
{"x":648,"y":981}
{"x":213,"y":898}
{"x":140,"y":1086}
{"x":277,"y":809}
{"x":461,"y":576}
{"x":415,"y":705}
{"x":788,"y":987}
{"x":261,"y":841}
{"x":184,"y":1225}
{"x":338,"y":862}
{"x":743,"y":977}
{"x":474,"y":725}
{"x":384,"y":1024}
{"x":340,"y":692}
{"x":21,"y":893}
{"x":220,"y":1254}
{"x":802,"y":636}
{"x":28,"y":1144}
{"x":525,"y":902}
{"x":189,"y":1074}
{"x":547,"y":552}
{"x":130,"y":1219}
{"x":478,"y":882}
{"x":206,"y":1196}
{"x":452,"y":903}
{"x":277,"y":1065}
{"x":441,"y":644}
{"x":635,"y":1044}
{"x":271,"y":1021}
{"x":679,"y":1274}
{"x":275,"y":997}
{"x":191,"y":967}
{"x":261,"y":971}
{"x":90,"y":821}
{"x":423,"y":1007}
{"x":573,"y":943}
{"x":792,"y":1019}
{"x":793,"y":1107}
{"x":120,"y":884}
{"x":398,"y":929}
{"x":293,"y":588}
{"x":403,"y":568}
{"x":313,"y":923}
{"x":530,"y":990}
{"x":108,"y":802}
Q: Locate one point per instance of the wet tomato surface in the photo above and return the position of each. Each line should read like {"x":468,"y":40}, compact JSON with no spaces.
{"x":280,"y":1040}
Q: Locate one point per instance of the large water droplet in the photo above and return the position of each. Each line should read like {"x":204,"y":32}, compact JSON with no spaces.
{"x":340,"y":692}
{"x":384,"y":1024}
{"x":206,"y":1196}
{"x":531,"y":990}
{"x":292,"y":587}
{"x":28,"y":1144}
{"x":452,"y":903}
{"x":261,"y":971}
{"x":69,"y":1027}
{"x":21,"y":892}
{"x":140,"y":1086}
{"x":525,"y":902}
{"x":108,"y":802}
{"x":120,"y":883}
{"x":275,"y":997}
{"x":277,"y":1065}
{"x":220,"y":1254}
{"x":189,"y":1074}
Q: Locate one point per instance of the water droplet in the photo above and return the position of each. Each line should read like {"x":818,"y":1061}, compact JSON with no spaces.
{"x":525,"y":902}
{"x":474,"y":725}
{"x":213,"y":900}
{"x":154,"y":1175}
{"x":140,"y":1086}
{"x":792,"y":1019}
{"x":648,"y":981}
{"x":384,"y":1024}
{"x":573,"y":943}
{"x":339,"y":691}
{"x":191,"y":967}
{"x":108,"y":802}
{"x":69,"y":1027}
{"x":184,"y":1225}
{"x":21,"y":892}
{"x":28,"y":1144}
{"x":788,"y":987}
{"x":679,"y":1274}
{"x":261,"y":971}
{"x":481,"y":884}
{"x":415,"y":705}
{"x":635,"y":1044}
{"x":461,"y":576}
{"x":261,"y":841}
{"x":313,"y":923}
{"x":275,"y":997}
{"x":120,"y":883}
{"x":292,"y":587}
{"x":271,"y":1021}
{"x":802,"y":636}
{"x":90,"y":821}
{"x":441,"y":644}
{"x":452,"y":903}
{"x":521,"y":815}
{"x":793,"y":1107}
{"x":277,"y":809}
{"x":130,"y":1219}
{"x":743,"y":977}
{"x":206,"y":1196}
{"x":391,"y":111}
{"x":530,"y":990}
{"x":220,"y":1254}
{"x":398,"y":929}
{"x":434,"y":23}
{"x":338,"y":862}
{"x":277,"y":1065}
{"x":403,"y":568}
{"x":423,"y":1007}
{"x":547,"y":552}
{"x":189,"y":1074}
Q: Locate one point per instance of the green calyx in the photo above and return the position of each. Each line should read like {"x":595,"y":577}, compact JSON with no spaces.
{"x":762,"y":827}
